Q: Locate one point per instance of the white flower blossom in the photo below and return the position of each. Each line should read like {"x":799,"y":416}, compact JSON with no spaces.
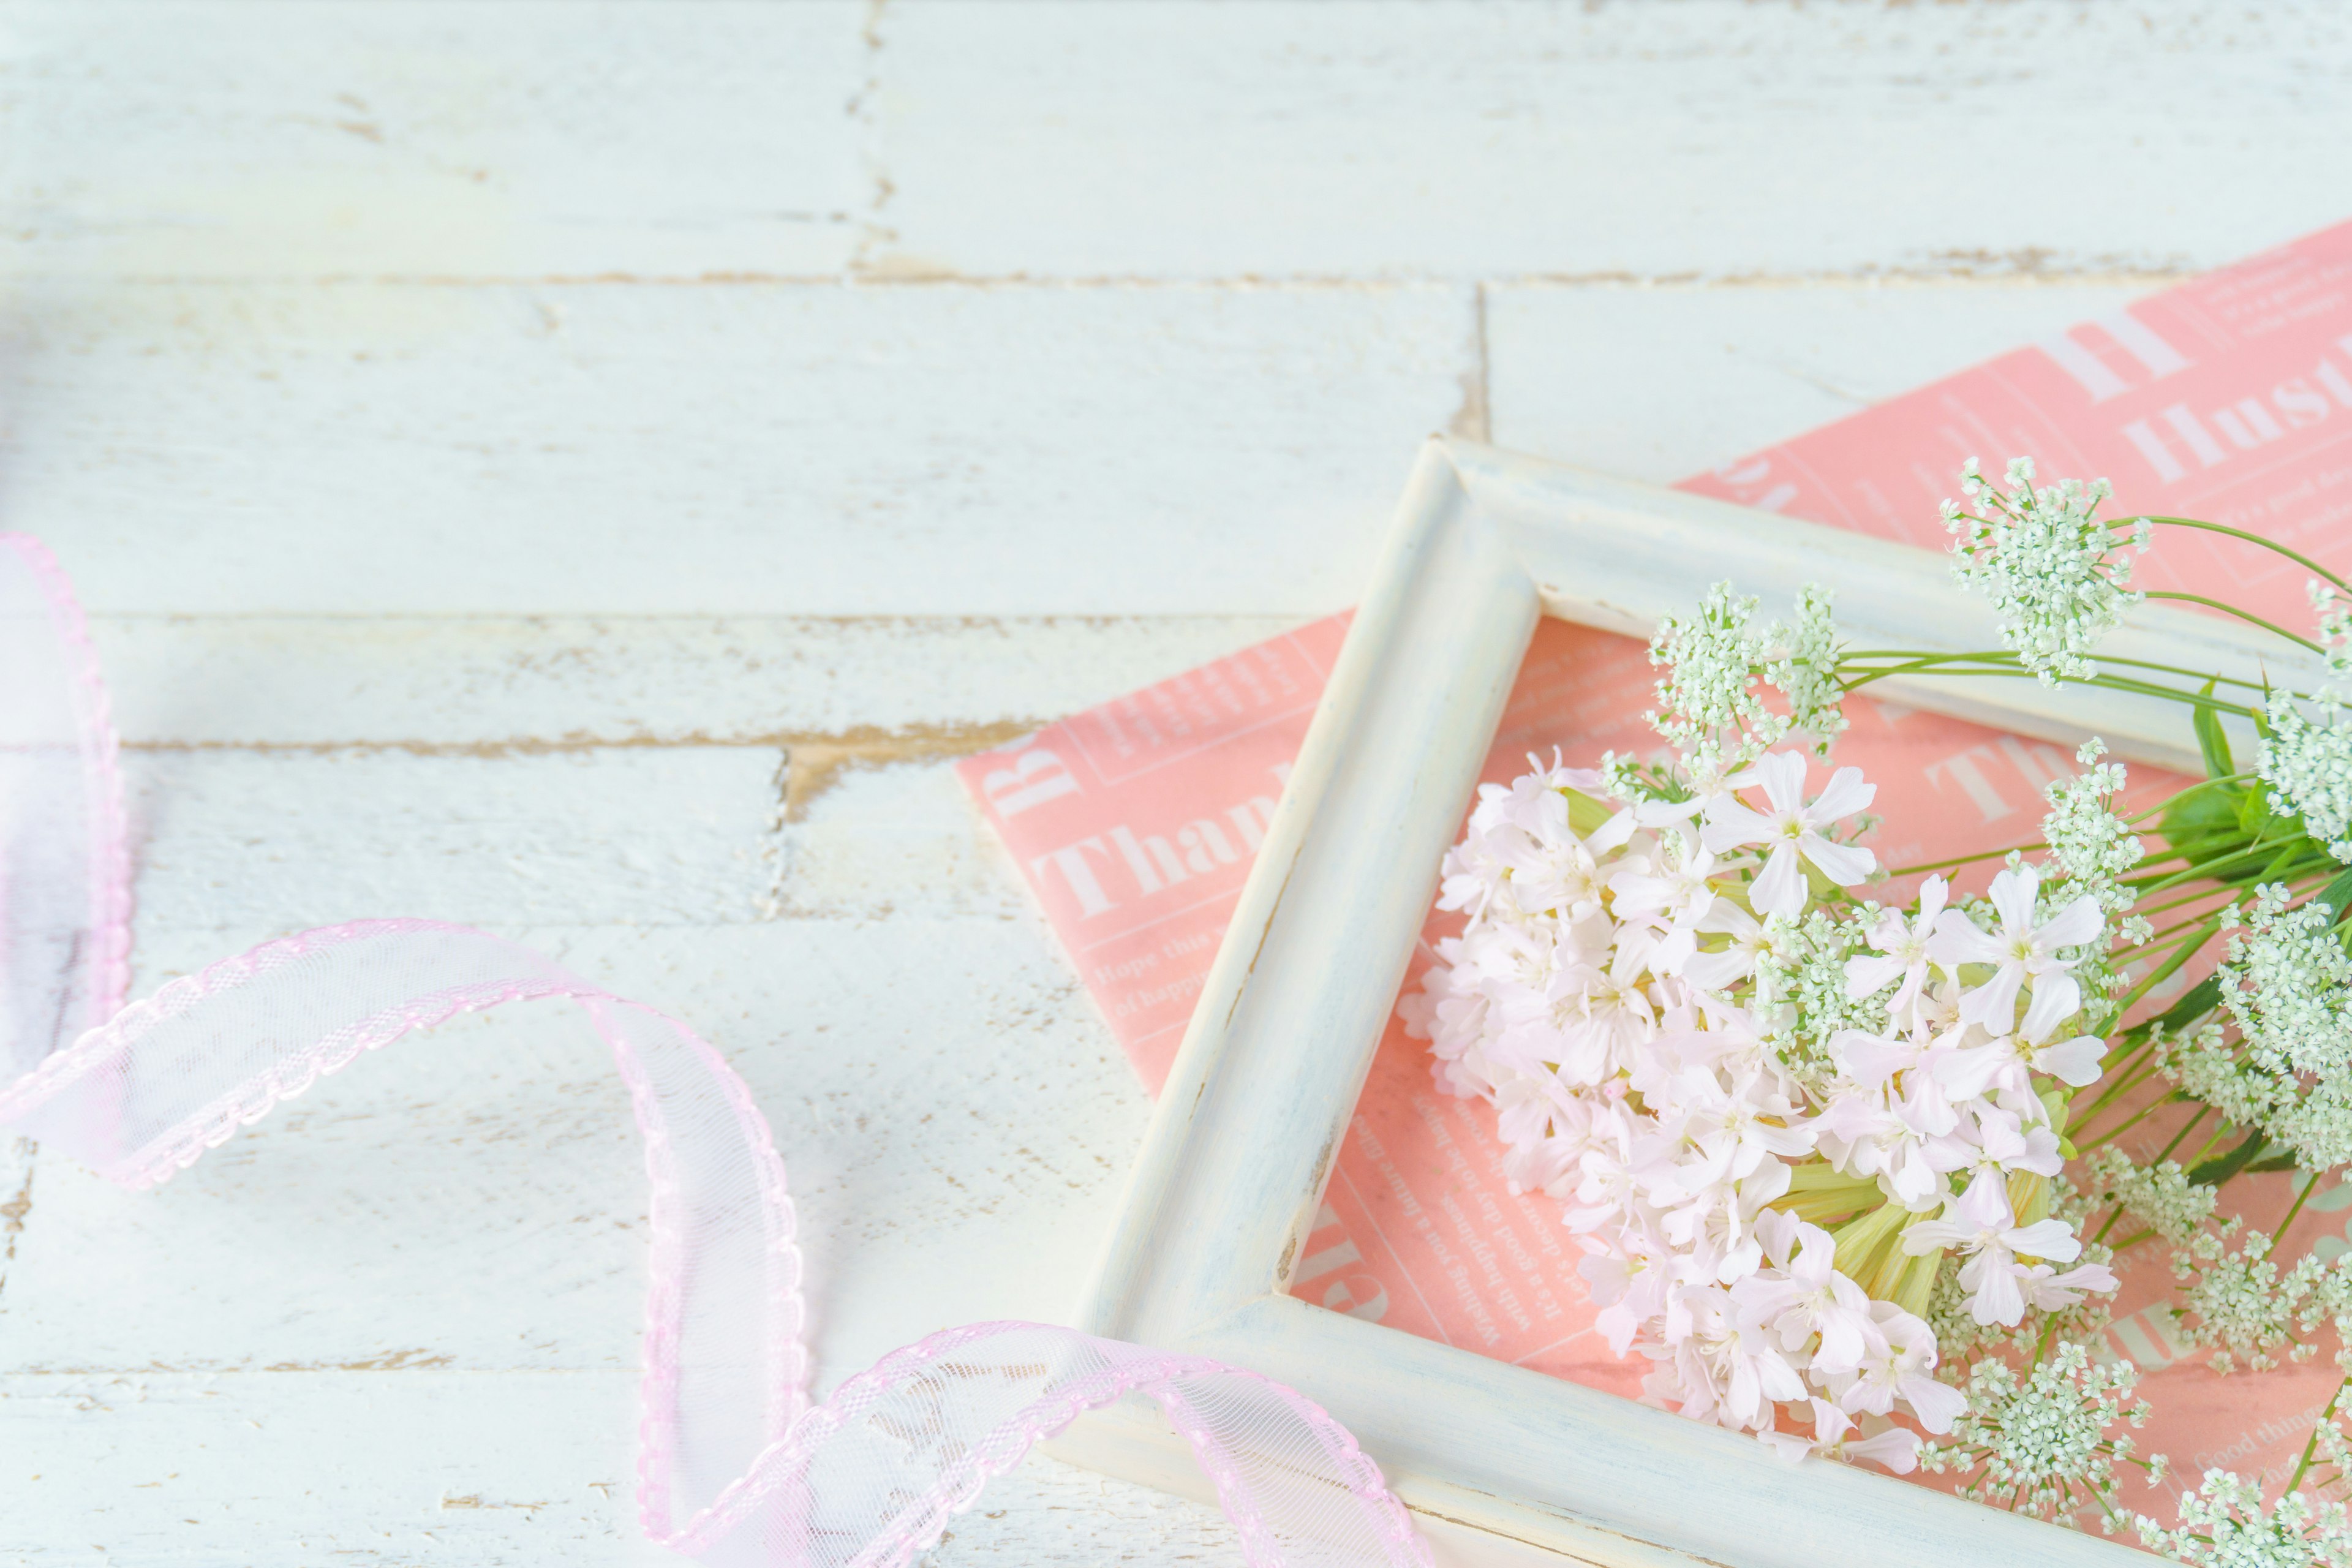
{"x":2040,"y":1443}
{"x":2306,"y":760}
{"x":2094,"y":846}
{"x":1980,"y":1223}
{"x":2223,"y":1524}
{"x":2307,"y":763}
{"x":2055,"y":573}
{"x":1901,"y":947}
{"x":2026,"y":947}
{"x":1837,"y":1436}
{"x":2286,"y":984}
{"x":1792,"y":828}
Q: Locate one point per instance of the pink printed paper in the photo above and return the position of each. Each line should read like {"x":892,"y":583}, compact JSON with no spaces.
{"x":2229,"y":398}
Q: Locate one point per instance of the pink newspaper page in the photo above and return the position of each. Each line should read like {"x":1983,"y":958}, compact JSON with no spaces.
{"x":2228,"y":398}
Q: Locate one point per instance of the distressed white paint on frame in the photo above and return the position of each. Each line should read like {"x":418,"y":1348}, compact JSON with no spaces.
{"x":1496,"y":1461}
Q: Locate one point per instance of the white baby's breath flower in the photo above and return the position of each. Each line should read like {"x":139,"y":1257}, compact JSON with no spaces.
{"x":2040,"y":1443}
{"x":2306,"y":760}
{"x":1708,"y":707}
{"x":2094,"y":846}
{"x":2223,"y":1524}
{"x":2242,"y":1305}
{"x":2287,"y":985}
{"x":2159,"y":1196}
{"x":2334,"y":634}
{"x":1806,"y":671}
{"x":2053,"y":571}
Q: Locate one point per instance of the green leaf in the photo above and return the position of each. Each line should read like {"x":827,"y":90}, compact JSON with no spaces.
{"x":2221,"y":1167}
{"x":2202,"y":818}
{"x":2272,"y":1162}
{"x":2202,"y":998}
{"x":2337,"y":894}
{"x":2210,"y":739}
{"x":2283,"y":863}
{"x":2253,"y":813}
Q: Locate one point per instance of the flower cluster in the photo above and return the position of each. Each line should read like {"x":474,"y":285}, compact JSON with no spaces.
{"x":1777,"y":1116}
{"x":2306,"y":752}
{"x":1814,"y":1148}
{"x":2285,"y":1069}
{"x":1709,"y":707}
{"x":2223,"y":1524}
{"x":2306,"y":762}
{"x":2053,"y":572}
{"x":2038,"y":1443}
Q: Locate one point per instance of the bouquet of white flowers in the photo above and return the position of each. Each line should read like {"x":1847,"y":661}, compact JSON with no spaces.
{"x":1846,"y":1172}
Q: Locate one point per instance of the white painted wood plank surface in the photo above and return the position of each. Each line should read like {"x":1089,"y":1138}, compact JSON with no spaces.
{"x":1716,"y":138}
{"x":523,"y":476}
{"x":227,"y":1470}
{"x":471,"y":684}
{"x":751,"y":449}
{"x":247,"y":138}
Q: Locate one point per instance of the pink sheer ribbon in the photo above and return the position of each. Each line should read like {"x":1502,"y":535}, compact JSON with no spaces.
{"x":734,"y":1464}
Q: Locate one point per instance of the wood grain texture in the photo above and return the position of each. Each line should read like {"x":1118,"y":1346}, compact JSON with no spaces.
{"x":243,"y":139}
{"x":442,"y":1467}
{"x":749,"y":451}
{"x":528,"y":470}
{"x":490,"y":684}
{"x":1711,"y":140}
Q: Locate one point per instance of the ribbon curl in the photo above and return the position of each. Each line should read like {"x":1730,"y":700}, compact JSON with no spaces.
{"x":734,"y":1464}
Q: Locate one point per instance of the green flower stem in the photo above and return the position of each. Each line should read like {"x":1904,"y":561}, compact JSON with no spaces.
{"x":2123,"y":1067}
{"x":2303,"y":1465}
{"x":2141,"y":1074}
{"x":2270,"y":544}
{"x":2249,"y":617}
{"x":2107,"y":682}
{"x":2083,"y":1146}
{"x":2260,"y":850}
{"x":2149,"y":689}
{"x":1851,"y":658}
{"x":2296,"y":1208}
{"x":1965,"y":859}
{"x":2157,"y":939}
{"x":2220,"y":1135}
{"x":2172,"y":800}
{"x":2181,"y":1136}
{"x":2126,"y":1079}
{"x":2042,"y":1345}
{"x":2199,"y":676}
{"x":1912,"y":660}
{"x":2170,"y":967}
{"x":1924,"y":664}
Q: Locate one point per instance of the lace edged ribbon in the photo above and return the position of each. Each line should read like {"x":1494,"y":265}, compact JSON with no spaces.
{"x":728,"y":1439}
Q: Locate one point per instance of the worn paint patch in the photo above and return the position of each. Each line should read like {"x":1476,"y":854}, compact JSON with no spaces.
{"x":814,"y":763}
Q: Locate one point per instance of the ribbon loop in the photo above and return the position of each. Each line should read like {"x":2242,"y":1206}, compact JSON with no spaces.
{"x":733,"y":1465}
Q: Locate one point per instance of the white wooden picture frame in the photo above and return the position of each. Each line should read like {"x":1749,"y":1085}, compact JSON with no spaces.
{"x":1501,"y":1464}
